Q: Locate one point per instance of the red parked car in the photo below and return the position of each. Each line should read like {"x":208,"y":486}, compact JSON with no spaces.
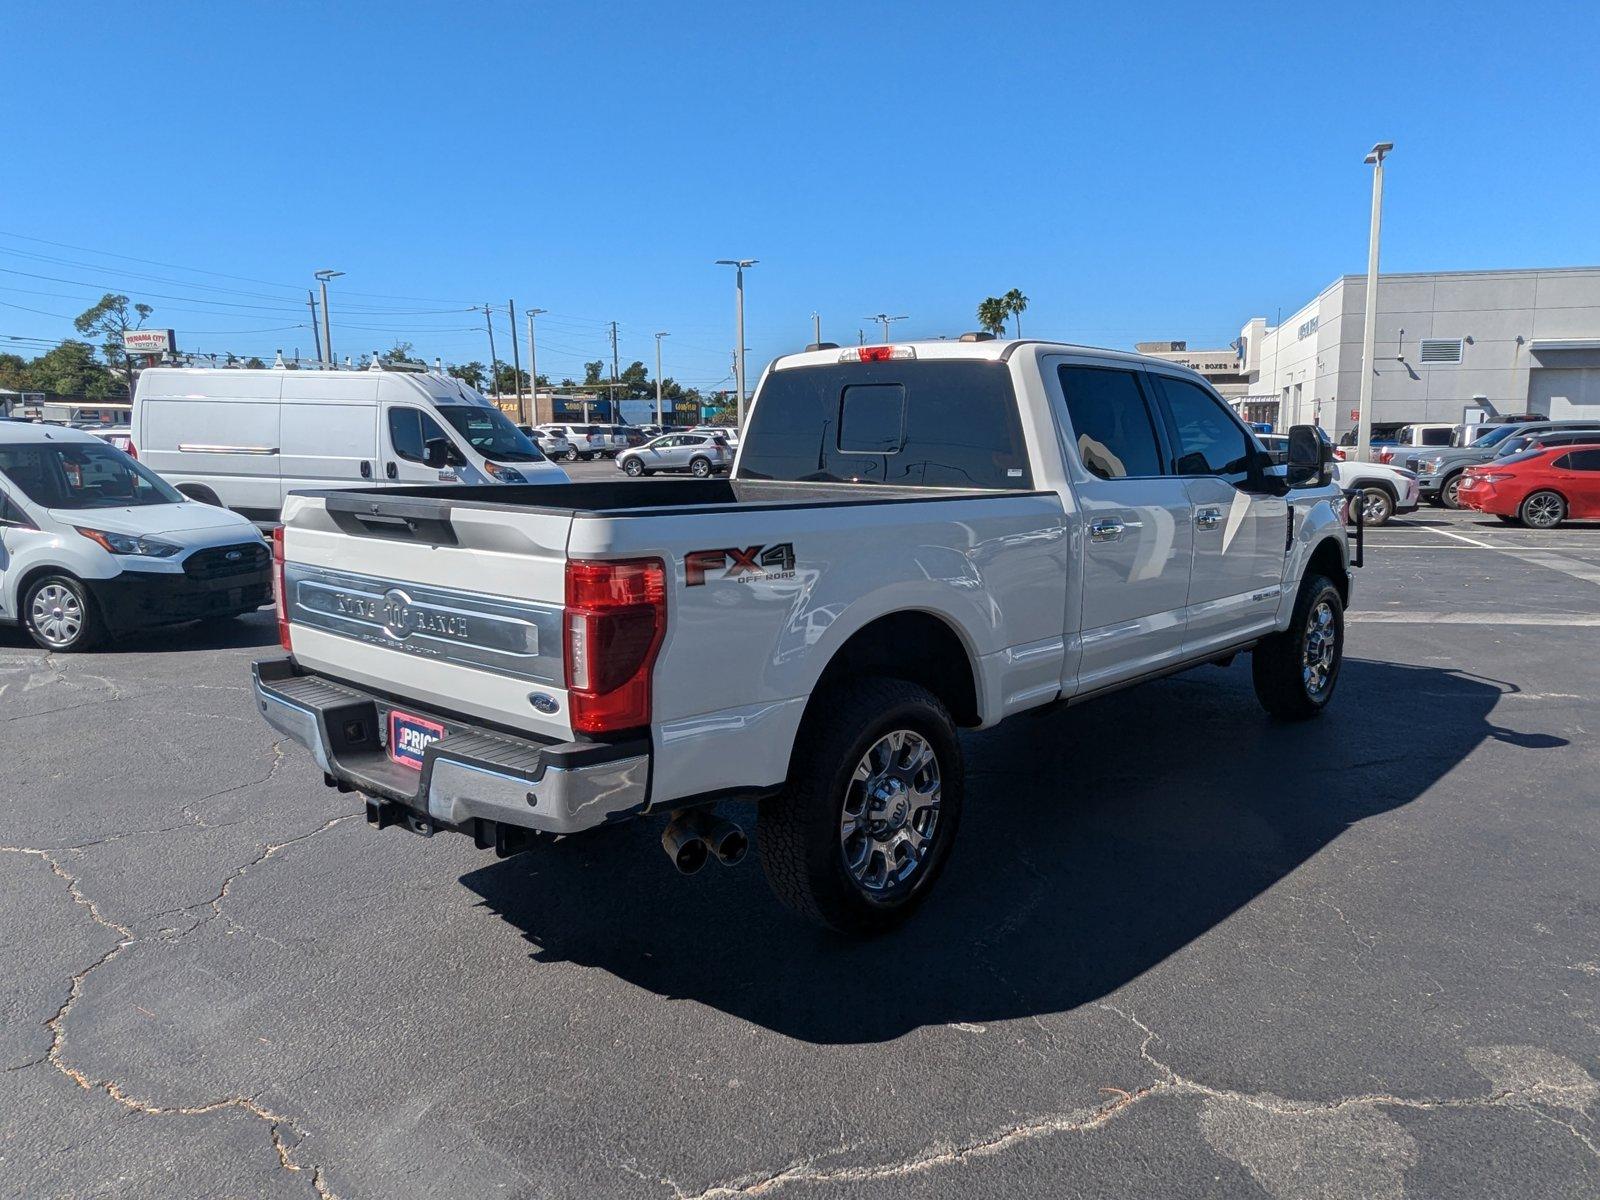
{"x":1541,"y":487}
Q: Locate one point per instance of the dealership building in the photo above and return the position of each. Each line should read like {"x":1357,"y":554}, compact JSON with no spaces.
{"x":1451,"y":346}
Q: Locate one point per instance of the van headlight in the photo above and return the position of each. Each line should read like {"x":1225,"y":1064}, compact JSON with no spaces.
{"x":503,"y":474}
{"x":125,"y":543}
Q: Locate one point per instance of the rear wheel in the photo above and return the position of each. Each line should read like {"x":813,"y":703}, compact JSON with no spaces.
{"x":1543,"y":510}
{"x":1295,"y":671}
{"x":865,"y":824}
{"x":571,"y":455}
{"x":59,"y":614}
{"x":700,"y":468}
{"x":1450,"y":491}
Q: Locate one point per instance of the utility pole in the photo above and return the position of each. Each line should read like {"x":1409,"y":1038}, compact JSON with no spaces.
{"x":738,"y":265}
{"x":616,"y":413}
{"x":516,"y":361}
{"x":659,"y":336}
{"x":885,"y":318}
{"x":316,"y":334}
{"x":533,"y":360}
{"x":327,"y":333}
{"x":494,"y":363}
{"x":816,"y":328}
{"x":1369,"y":328}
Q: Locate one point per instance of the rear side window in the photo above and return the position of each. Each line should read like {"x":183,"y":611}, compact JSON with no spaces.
{"x":1437,"y":437}
{"x":949,"y":423}
{"x":1584,"y":460}
{"x":1116,"y":436}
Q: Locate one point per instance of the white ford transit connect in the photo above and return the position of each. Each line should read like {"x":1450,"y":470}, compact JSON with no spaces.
{"x":247,"y":438}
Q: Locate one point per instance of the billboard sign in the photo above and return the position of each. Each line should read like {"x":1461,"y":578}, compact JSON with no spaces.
{"x":149,"y":341}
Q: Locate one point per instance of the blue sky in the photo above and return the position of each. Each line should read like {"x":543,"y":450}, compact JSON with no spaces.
{"x":1140,"y":171}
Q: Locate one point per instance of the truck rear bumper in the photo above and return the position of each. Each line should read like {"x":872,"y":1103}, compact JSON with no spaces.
{"x":469,"y":776}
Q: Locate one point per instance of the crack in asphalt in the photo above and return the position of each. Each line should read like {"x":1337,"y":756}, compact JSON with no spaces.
{"x":276,"y":1122}
{"x":1535,"y":1098}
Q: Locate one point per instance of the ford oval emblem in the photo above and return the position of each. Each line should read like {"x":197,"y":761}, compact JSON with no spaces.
{"x":543,"y":703}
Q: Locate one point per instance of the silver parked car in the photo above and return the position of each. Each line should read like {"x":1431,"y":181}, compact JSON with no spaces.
{"x":554,"y":445}
{"x":700,"y":454}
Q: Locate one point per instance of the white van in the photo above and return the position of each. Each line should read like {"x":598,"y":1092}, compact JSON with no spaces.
{"x":247,"y":438}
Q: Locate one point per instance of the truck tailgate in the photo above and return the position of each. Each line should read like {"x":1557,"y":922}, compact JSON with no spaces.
{"x":406,"y":596}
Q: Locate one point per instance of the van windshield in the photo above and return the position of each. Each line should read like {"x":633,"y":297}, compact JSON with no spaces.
{"x":491,"y":433}
{"x":83,"y":475}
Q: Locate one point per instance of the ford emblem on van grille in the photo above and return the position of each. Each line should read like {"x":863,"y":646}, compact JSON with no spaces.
{"x":507,"y":637}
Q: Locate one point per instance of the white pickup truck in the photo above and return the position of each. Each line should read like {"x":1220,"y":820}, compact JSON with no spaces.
{"x":915,"y":538}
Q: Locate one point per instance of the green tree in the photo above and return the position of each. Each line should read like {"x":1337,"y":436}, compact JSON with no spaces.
{"x":110,"y":320}
{"x":70,"y":369}
{"x":594,"y":373}
{"x":13,"y":372}
{"x":400,"y":352}
{"x":1016,"y":304}
{"x":254,"y":363}
{"x":992,"y":314}
{"x":636,"y":382}
{"x":506,"y":378}
{"x":473,"y":374}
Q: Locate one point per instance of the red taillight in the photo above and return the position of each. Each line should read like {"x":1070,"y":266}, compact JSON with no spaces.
{"x":876,"y":353}
{"x":615,"y":618}
{"x":278,"y":590}
{"x":133,"y":451}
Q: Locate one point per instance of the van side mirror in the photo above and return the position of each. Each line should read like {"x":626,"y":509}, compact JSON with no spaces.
{"x":437,"y":453}
{"x":1310,"y":458}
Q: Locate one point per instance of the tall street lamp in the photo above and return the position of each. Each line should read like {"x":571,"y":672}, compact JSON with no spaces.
{"x":659,"y":336}
{"x":1369,"y":328}
{"x":322,"y":278}
{"x":738,"y":265}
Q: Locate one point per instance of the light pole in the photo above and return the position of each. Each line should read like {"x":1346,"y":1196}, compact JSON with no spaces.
{"x":659,"y":336}
{"x":738,"y":265}
{"x":533,"y":362}
{"x":322,"y":277}
{"x":1369,"y":328}
{"x":816,"y":328}
{"x":885,"y":318}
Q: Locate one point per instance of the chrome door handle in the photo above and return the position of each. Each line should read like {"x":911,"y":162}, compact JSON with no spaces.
{"x":1106,"y":531}
{"x":1207,"y":518}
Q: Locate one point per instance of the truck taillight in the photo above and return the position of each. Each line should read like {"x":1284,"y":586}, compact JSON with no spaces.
{"x":133,"y":451}
{"x":615,"y":618}
{"x":876,"y":353}
{"x":279,"y":593}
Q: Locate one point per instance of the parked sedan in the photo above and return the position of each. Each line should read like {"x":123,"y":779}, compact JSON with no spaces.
{"x":1540,"y":488}
{"x":700,"y":454}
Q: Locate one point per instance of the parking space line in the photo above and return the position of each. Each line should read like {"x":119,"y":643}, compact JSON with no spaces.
{"x":1460,"y":537}
{"x":1486,"y":619}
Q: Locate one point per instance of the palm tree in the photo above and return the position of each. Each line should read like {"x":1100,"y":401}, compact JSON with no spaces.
{"x":1016,"y":304}
{"x":992,"y":315}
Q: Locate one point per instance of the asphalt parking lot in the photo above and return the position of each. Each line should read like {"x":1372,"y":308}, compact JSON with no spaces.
{"x":1181,"y":951}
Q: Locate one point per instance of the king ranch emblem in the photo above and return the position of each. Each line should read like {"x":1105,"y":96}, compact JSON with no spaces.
{"x":400,"y":616}
{"x":752,"y":564}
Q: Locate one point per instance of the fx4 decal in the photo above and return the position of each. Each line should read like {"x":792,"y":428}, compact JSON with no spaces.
{"x":751,"y":565}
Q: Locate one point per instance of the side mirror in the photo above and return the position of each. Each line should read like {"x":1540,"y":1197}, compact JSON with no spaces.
{"x":437,"y":453}
{"x":1310,"y":458}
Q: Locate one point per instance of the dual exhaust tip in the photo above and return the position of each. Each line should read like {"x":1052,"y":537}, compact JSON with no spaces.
{"x":693,"y":837}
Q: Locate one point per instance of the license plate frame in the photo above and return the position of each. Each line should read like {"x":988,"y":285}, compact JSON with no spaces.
{"x":410,"y":736}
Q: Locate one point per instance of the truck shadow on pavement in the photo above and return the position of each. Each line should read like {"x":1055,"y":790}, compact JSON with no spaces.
{"x":1095,"y":843}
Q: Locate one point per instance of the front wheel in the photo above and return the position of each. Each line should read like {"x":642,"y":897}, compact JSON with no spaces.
{"x":865,"y":823}
{"x":1295,"y":671}
{"x":700,"y":468}
{"x":1450,"y":493}
{"x":570,"y":456}
{"x":1377,"y":506}
{"x":632,"y":468}
{"x":1543,"y":510}
{"x":59,"y":614}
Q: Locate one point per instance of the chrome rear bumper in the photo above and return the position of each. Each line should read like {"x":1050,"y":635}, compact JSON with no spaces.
{"x":470,"y":775}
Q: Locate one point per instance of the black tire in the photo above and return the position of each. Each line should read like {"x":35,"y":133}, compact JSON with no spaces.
{"x":1543,"y":509}
{"x":1377,"y":505}
{"x":801,"y":834}
{"x":700,"y":468}
{"x":53,"y":627}
{"x":1448,"y":491}
{"x":571,"y":455}
{"x":1279,"y":665}
{"x":633,"y":468}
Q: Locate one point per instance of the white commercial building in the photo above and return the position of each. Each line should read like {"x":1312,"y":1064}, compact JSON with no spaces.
{"x":1480,"y":343}
{"x":1222,"y":368}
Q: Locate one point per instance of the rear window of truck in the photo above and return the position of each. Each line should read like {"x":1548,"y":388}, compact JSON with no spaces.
{"x":938,"y":423}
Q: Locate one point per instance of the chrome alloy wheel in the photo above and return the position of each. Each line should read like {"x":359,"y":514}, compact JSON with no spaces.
{"x":1375,"y":506}
{"x":57,"y":614}
{"x":1542,"y":510}
{"x":1317,"y":657}
{"x":891,"y":814}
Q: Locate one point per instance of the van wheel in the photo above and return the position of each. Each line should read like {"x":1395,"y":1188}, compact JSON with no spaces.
{"x":866,"y":821}
{"x":202,"y":494}
{"x":1295,"y":671}
{"x":59,"y":614}
{"x":700,"y":468}
{"x":1543,"y":510}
